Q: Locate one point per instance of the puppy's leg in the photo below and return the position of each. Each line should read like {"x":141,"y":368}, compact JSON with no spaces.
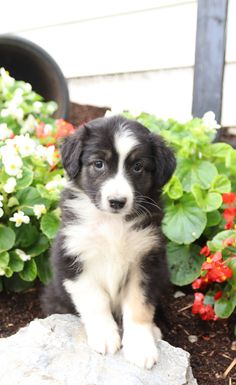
{"x":93,"y":304}
{"x":138,"y":339}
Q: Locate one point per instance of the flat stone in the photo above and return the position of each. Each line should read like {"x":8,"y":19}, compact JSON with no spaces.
{"x":53,"y":351}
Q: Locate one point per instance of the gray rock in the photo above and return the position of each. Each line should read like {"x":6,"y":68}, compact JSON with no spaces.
{"x":53,"y":351}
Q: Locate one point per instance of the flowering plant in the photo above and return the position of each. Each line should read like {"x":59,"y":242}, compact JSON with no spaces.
{"x":194,"y":195}
{"x":31,"y":178}
{"x":218,"y":272}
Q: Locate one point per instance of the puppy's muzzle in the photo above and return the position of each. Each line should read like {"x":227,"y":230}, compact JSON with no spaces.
{"x":117,"y":203}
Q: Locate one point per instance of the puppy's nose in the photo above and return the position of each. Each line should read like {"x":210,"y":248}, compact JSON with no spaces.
{"x":117,"y":203}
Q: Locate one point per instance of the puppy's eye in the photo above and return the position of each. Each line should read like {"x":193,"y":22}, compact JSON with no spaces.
{"x":138,"y":167}
{"x":99,"y":165}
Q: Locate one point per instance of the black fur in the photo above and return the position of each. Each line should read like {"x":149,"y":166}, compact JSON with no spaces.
{"x":77,"y":152}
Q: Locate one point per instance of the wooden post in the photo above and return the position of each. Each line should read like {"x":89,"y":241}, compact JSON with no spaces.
{"x":209,"y":57}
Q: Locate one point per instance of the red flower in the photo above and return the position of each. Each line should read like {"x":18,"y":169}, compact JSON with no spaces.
{"x":218,"y":295}
{"x":198,"y":303}
{"x":197,"y":284}
{"x":205,"y":251}
{"x":229,"y":242}
{"x":43,"y":130}
{"x":219,"y":273}
{"x":63,"y":129}
{"x":229,"y":214}
{"x":229,"y":225}
{"x":211,"y":260}
{"x":229,"y":198}
{"x":206,"y":312}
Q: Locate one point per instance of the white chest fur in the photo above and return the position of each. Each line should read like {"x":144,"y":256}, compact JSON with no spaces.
{"x":107,"y":245}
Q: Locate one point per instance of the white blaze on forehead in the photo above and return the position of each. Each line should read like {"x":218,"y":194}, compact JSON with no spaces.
{"x":119,"y":186}
{"x":125,"y":141}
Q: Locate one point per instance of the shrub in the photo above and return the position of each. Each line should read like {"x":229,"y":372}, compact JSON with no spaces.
{"x":31,"y":178}
{"x":194,"y":204}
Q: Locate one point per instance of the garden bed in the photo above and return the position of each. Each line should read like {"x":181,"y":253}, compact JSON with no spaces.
{"x":214,"y":348}
{"x":211,"y":354}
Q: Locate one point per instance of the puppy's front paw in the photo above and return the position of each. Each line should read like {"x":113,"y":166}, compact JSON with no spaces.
{"x":140,"y":349}
{"x":104,"y":339}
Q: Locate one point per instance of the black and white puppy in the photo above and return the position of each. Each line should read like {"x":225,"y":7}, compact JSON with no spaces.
{"x":109,"y":258}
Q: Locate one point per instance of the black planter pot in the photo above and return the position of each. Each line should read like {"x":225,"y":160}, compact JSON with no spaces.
{"x":29,"y":62}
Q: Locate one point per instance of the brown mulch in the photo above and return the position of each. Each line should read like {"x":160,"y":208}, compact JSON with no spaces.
{"x":80,"y":114}
{"x":213,"y":351}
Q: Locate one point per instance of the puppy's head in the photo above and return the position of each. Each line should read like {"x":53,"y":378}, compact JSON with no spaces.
{"x":117,"y":162}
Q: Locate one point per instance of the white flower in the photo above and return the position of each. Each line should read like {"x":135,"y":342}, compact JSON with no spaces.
{"x":56,"y":184}
{"x":29,"y":125}
{"x":7,"y":80}
{"x":46,"y":153}
{"x":9,"y":150}
{"x":210,"y":121}
{"x":39,"y":210}
{"x":1,"y":205}
{"x":17,"y":98}
{"x":19,"y":218}
{"x":37,"y":106}
{"x":51,"y":107}
{"x":14,"y":111}
{"x":23,"y":256}
{"x":9,"y":187}
{"x":25,"y":145}
{"x":12,"y":164}
{"x":5,"y":132}
{"x":47,"y":129}
{"x":26,"y":87}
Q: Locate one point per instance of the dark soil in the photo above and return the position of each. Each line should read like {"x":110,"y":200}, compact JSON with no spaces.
{"x":215,"y":346}
{"x":211,"y":354}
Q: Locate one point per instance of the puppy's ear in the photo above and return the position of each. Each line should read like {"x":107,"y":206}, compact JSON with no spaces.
{"x":164,"y":159}
{"x":71,"y":151}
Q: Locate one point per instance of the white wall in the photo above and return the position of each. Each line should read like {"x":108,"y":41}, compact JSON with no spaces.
{"x":229,"y":88}
{"x":126,"y":54}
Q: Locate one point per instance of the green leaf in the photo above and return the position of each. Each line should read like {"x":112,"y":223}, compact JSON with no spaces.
{"x":184,"y":263}
{"x":12,"y":202}
{"x":50,"y":195}
{"x":16,"y":284}
{"x":30,"y":271}
{"x":39,"y":247}
{"x":196,"y":172}
{"x":4,"y":259}
{"x":225,"y":306}
{"x":216,"y":244}
{"x":174,"y":188}
{"x":209,"y":298}
{"x":232,"y":265}
{"x":207,"y":201}
{"x":44,"y":268}
{"x":28,"y":198}
{"x":7,"y":238}
{"x":8,"y":272}
{"x":49,"y":225}
{"x":213,"y":218}
{"x":26,"y":235}
{"x":220,"y":150}
{"x":26,"y":180}
{"x":184,"y":221}
{"x":16,"y":264}
{"x":221,"y":184}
